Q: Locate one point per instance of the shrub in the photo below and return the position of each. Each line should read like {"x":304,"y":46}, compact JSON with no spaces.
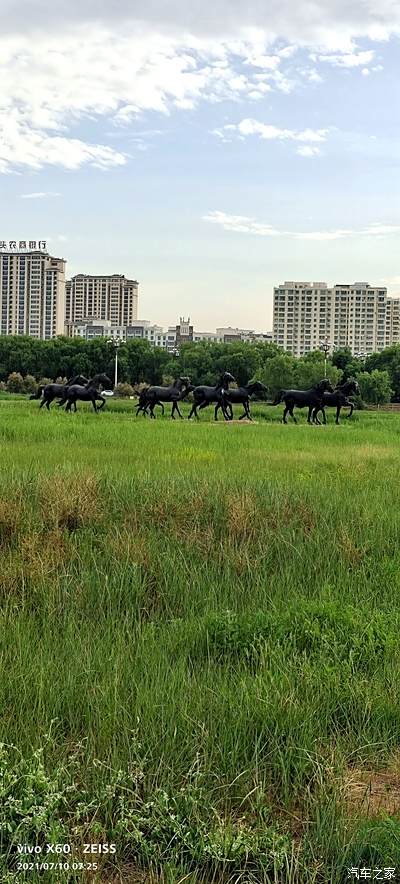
{"x":15,"y":383}
{"x":124,"y":390}
{"x":29,"y":384}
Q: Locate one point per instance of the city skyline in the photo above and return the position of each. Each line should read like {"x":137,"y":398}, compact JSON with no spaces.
{"x":207,"y":157}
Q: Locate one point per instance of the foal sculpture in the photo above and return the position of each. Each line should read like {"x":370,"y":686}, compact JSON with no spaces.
{"x":49,"y":392}
{"x":87,"y":393}
{"x":338,"y":399}
{"x":240,"y":396}
{"x":203,"y":396}
{"x":311,"y":399}
{"x":152,"y":396}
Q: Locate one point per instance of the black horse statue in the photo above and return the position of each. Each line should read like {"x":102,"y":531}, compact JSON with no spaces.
{"x":175,"y":407}
{"x":152,"y":396}
{"x":203,"y":396}
{"x":310,"y":399}
{"x":240,"y":396}
{"x":338,"y":399}
{"x":87,"y":393}
{"x":49,"y":392}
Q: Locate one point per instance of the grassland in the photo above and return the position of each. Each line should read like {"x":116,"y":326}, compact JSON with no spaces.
{"x":200,"y":639}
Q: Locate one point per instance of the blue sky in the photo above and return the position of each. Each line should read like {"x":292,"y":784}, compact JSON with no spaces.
{"x":210,"y":158}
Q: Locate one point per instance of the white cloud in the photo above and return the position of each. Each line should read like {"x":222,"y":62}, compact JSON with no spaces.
{"x":39,"y":195}
{"x":348,"y":60}
{"x":24,"y":144}
{"x":308,"y":151}
{"x":333,"y":23}
{"x":52,"y":82}
{"x":244,"y":224}
{"x":67,"y":61}
{"x":269,"y":132}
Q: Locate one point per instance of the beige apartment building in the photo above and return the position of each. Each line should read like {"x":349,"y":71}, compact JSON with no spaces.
{"x":358,"y":316}
{"x":393,"y":321}
{"x":112,"y":298}
{"x":32,"y":287}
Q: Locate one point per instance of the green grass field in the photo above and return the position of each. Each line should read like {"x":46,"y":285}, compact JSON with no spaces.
{"x":200,"y":629}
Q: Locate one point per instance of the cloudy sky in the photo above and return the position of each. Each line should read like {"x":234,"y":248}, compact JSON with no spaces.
{"x":210,"y":150}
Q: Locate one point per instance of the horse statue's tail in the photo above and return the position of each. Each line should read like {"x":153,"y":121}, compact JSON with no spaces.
{"x":278,"y":398}
{"x":38,"y":394}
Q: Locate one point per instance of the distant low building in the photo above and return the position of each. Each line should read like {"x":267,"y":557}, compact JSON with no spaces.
{"x":170,"y":340}
{"x":93,"y":328}
{"x":231,"y":335}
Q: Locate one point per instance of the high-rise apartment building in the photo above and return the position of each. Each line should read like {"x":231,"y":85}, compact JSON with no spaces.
{"x":393,"y":321}
{"x":32,"y":289}
{"x":358,"y":316}
{"x":112,"y":298}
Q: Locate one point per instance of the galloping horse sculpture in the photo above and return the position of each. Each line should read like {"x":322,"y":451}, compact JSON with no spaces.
{"x":49,"y":392}
{"x":87,"y":393}
{"x":146,"y":406}
{"x":203,"y":396}
{"x":152,"y":396}
{"x":240,"y":396}
{"x":311,"y":399}
{"x":338,"y":399}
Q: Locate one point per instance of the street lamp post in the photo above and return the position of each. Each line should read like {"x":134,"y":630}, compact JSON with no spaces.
{"x":115,"y":343}
{"x":325,"y":346}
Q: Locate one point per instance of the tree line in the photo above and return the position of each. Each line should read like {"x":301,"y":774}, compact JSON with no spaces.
{"x":25,"y":362}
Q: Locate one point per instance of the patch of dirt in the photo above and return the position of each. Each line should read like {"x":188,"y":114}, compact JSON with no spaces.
{"x":373,"y":792}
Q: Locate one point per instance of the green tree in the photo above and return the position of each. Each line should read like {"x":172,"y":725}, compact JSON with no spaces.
{"x":279,"y":373}
{"x":387,"y":360}
{"x":311,"y":369}
{"x":375,"y":387}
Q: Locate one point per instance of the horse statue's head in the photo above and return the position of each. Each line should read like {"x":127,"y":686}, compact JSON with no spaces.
{"x":352,"y":386}
{"x":227,"y":378}
{"x":102,"y":379}
{"x":257,"y":387}
{"x":324,"y":386}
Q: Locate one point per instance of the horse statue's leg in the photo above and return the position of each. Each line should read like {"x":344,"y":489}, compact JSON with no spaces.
{"x":178,"y":410}
{"x":338,"y":410}
{"x":43,"y":402}
{"x":93,"y":401}
{"x":228,"y":411}
{"x":291,"y":414}
{"x":286,"y":409}
{"x":103,"y":402}
{"x":247,"y":409}
{"x":193,"y":411}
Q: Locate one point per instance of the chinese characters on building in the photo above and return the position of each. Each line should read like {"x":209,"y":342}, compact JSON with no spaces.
{"x":31,"y":245}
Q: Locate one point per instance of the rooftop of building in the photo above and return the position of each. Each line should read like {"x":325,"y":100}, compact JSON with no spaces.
{"x":103,"y":276}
